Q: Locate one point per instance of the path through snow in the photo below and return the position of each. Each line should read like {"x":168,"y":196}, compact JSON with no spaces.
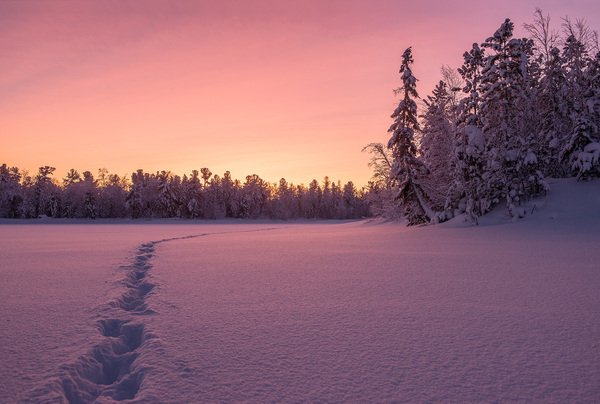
{"x":111,"y":369}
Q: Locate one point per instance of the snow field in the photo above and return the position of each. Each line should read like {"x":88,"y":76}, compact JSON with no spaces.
{"x":360,"y":312}
{"x":265,"y":312}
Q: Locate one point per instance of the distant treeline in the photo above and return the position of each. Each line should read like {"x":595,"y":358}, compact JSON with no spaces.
{"x":201,"y":195}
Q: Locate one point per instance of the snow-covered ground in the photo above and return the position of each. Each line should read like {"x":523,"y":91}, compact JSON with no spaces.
{"x":330,"y":312}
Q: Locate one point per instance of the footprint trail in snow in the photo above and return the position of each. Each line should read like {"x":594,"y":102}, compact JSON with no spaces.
{"x":112,"y":370}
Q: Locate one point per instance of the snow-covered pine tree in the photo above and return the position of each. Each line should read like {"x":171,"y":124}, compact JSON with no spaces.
{"x":408,"y":171}
{"x":90,"y":196}
{"x":70,"y":194}
{"x":193,"y":195}
{"x":45,"y":193}
{"x":349,"y":201}
{"x":544,"y":69}
{"x":588,"y":161}
{"x":468,"y":110}
{"x":256,"y":193}
{"x":280,"y":204}
{"x":468,"y":163}
{"x":581,"y":149}
{"x":11,"y":196}
{"x":435,"y":147}
{"x":554,"y":115}
{"x":231,"y":195}
{"x":216,"y":208}
{"x":326,"y":205}
{"x":312,"y":200}
{"x":133,"y":200}
{"x":112,"y":197}
{"x":168,"y":187}
{"x":507,"y":116}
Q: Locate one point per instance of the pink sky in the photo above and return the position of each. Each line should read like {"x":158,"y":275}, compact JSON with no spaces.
{"x":274,"y":88}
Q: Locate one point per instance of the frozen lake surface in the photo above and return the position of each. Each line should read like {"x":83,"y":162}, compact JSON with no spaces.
{"x":180,"y":312}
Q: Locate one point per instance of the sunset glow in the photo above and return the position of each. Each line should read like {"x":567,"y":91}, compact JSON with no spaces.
{"x":278,"y":89}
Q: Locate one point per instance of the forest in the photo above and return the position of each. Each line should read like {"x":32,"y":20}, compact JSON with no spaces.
{"x":517,"y":112}
{"x":201,"y":195}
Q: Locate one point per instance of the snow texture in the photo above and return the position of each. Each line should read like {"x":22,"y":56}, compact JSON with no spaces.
{"x":369,"y":311}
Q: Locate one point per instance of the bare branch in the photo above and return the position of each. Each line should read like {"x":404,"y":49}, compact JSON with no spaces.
{"x":581,"y":31}
{"x":545,"y":38}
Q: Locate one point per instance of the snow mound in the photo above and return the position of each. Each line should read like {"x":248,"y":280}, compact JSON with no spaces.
{"x":567,"y":201}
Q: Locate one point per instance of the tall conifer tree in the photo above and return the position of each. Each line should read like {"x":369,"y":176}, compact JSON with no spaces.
{"x":407,"y":170}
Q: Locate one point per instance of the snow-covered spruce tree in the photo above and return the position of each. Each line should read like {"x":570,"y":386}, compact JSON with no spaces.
{"x":588,"y":160}
{"x":327,"y":202}
{"x":208,"y":196}
{"x":70,"y":194}
{"x":215,"y":196}
{"x":408,"y":171}
{"x":192,"y":194}
{"x":133,"y":200}
{"x":550,"y":100}
{"x":508,"y":119}
{"x":581,"y":149}
{"x":11,"y":196}
{"x":255,"y":194}
{"x":552,"y":103}
{"x":435,"y":147}
{"x":468,"y":108}
{"x":46,"y":193}
{"x":468,"y":161}
{"x":350,"y":201}
{"x":112,"y":197}
{"x":282,"y":208}
{"x":230,"y":195}
{"x":168,"y":185}
{"x":89,"y":186}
